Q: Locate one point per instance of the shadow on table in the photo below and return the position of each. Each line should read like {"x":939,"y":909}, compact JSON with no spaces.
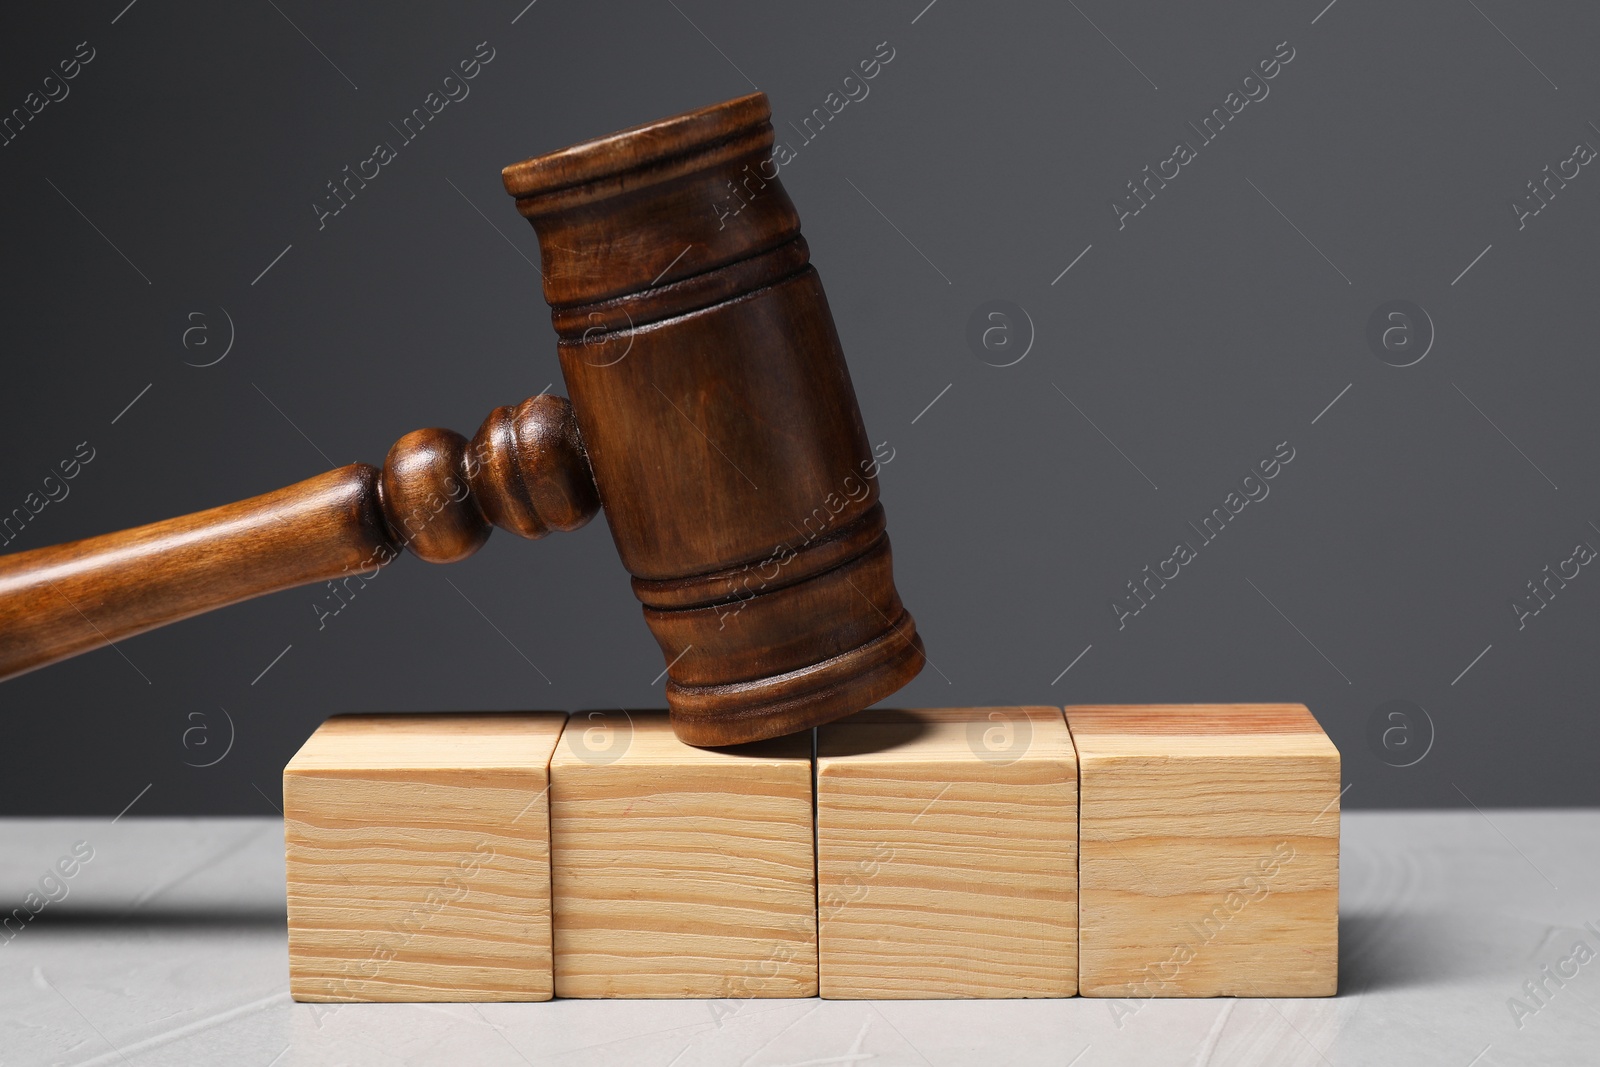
{"x":1404,"y":949}
{"x":198,"y":917}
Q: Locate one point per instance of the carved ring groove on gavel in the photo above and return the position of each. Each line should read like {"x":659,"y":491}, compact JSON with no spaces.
{"x":712,"y":415}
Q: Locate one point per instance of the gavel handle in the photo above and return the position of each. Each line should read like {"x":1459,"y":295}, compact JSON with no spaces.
{"x":437,"y":495}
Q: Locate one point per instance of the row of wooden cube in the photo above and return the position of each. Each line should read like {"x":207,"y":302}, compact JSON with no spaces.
{"x":1129,"y":851}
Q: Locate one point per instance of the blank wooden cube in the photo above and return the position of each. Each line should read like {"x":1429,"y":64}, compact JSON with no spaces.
{"x":679,"y":871}
{"x":1209,"y":851}
{"x":947,"y":854}
{"x":419,"y":859}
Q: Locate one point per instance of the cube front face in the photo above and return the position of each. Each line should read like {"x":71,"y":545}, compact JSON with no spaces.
{"x":947,"y":854}
{"x":1209,"y":861}
{"x":681,"y":872}
{"x":419,"y":860}
{"x":1179,"y":851}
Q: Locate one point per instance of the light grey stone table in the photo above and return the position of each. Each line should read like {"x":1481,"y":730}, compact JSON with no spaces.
{"x":169,"y":949}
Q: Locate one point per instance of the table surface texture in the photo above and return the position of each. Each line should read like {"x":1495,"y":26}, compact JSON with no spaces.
{"x":169,"y":948}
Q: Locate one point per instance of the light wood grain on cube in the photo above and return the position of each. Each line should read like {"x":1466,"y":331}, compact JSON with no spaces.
{"x":947,"y":854}
{"x":679,"y":871}
{"x":418,"y":858}
{"x":1209,"y":851}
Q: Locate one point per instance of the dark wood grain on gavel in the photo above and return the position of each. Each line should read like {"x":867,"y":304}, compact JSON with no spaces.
{"x":711,"y":409}
{"x":724,"y":434}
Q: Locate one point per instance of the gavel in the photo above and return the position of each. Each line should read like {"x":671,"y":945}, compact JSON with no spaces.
{"x":711,"y":415}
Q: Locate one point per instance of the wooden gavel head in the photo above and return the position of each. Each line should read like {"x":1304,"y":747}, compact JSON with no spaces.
{"x":711,"y":409}
{"x":713,"y":401}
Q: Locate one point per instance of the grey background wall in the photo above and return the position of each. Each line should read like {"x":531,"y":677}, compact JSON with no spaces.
{"x":160,"y":214}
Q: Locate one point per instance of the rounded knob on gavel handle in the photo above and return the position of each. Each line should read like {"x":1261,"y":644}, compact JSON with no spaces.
{"x":437,"y":495}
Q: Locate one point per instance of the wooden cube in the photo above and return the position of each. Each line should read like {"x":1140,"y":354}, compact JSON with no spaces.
{"x":419,"y":859}
{"x":1209,"y":851}
{"x":947,"y":854}
{"x":679,"y":871}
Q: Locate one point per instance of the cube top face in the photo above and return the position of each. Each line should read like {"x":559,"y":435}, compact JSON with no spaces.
{"x":394,"y":744}
{"x":987,"y":738}
{"x":947,"y":861}
{"x":1201,"y":731}
{"x":615,"y":737}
